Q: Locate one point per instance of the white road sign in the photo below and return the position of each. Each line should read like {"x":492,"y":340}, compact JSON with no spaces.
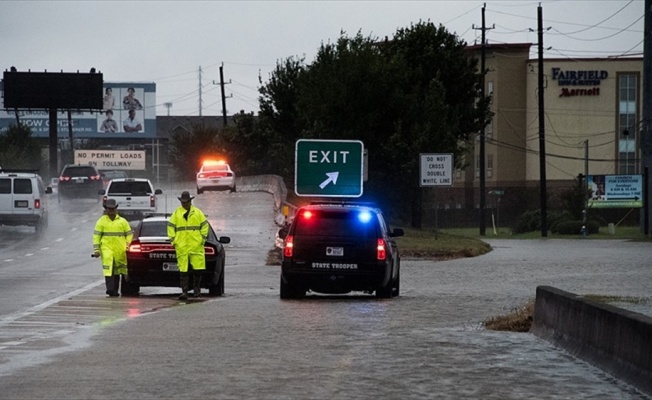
{"x":112,"y":159}
{"x":436,"y":170}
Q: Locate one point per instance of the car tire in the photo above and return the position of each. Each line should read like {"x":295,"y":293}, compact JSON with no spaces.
{"x":397,"y":283}
{"x":200,"y":191}
{"x":233,"y":189}
{"x":218,"y":289}
{"x":385,"y":292}
{"x":129,"y":289}
{"x":290,"y":292}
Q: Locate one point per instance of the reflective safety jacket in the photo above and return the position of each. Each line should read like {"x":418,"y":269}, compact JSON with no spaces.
{"x":111,"y":239}
{"x":188,"y":231}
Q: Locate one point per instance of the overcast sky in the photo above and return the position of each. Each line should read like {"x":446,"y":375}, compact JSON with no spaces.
{"x":166,"y":42}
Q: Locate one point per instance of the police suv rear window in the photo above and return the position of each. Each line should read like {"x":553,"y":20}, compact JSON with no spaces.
{"x":349,"y":223}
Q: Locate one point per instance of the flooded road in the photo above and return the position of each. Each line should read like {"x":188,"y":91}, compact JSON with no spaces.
{"x":69,"y":341}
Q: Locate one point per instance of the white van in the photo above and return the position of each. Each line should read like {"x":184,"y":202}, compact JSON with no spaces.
{"x":23,"y":199}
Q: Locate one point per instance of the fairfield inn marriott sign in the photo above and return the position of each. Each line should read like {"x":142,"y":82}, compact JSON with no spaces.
{"x":581,"y":78}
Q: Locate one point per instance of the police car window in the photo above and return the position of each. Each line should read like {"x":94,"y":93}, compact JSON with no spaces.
{"x":154,"y":228}
{"x":5,"y":185}
{"x":335,"y":223}
{"x":22,"y":186}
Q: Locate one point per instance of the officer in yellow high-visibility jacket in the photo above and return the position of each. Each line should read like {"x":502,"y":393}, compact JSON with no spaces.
{"x":111,"y":238}
{"x":188,"y":231}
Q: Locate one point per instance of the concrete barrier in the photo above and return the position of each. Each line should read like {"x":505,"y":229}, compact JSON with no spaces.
{"x":615,"y":340}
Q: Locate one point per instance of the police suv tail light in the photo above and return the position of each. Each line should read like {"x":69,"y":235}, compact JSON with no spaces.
{"x":381,"y":251}
{"x":37,"y":204}
{"x":288,"y":246}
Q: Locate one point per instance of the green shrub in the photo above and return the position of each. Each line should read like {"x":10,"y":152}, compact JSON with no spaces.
{"x":530,"y":221}
{"x":575,"y":227}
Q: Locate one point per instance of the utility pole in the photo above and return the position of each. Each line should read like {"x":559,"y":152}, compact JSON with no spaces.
{"x":168,"y":105}
{"x":200,"y":102}
{"x":223,"y":96}
{"x":646,"y":131}
{"x":542,"y":132}
{"x":222,"y":83}
{"x":481,"y":166}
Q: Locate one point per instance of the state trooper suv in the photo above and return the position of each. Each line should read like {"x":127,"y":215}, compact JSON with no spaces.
{"x":337,"y":248}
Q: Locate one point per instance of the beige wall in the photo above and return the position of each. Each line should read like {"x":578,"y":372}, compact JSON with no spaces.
{"x":570,"y":121}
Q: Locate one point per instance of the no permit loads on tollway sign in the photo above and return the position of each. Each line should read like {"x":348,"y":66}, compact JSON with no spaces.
{"x":328,"y":168}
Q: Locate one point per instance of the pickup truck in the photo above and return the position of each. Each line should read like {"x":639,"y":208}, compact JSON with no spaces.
{"x":136,"y":197}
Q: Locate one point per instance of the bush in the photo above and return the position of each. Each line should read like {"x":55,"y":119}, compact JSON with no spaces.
{"x":575,"y":227}
{"x":530,"y":221}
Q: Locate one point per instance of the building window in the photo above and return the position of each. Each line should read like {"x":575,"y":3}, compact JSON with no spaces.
{"x":627,"y":123}
{"x":490,"y":165}
{"x":489,"y":129}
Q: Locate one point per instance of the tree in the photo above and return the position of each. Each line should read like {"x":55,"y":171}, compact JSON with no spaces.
{"x":19,"y":150}
{"x":416,"y":93}
{"x":189,"y":149}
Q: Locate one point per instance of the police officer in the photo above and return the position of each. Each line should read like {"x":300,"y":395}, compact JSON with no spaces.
{"x":111,"y":238}
{"x":188,"y":231}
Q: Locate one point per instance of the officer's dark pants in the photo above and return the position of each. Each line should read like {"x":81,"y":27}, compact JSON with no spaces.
{"x":112,"y":285}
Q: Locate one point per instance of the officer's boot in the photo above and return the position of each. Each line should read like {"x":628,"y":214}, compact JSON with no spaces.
{"x":116,"y":284}
{"x":184,"y":285}
{"x":196,"y":284}
{"x":111,"y":288}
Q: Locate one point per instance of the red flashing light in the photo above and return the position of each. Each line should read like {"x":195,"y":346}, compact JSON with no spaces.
{"x":381,"y":251}
{"x":288,"y":246}
{"x":307,"y":214}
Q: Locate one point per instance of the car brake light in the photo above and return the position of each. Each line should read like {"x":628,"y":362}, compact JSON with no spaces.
{"x":134,"y":247}
{"x":381,"y":252}
{"x":307,"y":214}
{"x":64,"y":178}
{"x":152,"y":201}
{"x":37,"y":204}
{"x":95,"y":177}
{"x":288,"y":246}
{"x":209,"y":251}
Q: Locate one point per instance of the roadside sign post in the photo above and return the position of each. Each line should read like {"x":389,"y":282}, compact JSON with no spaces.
{"x":328,"y":168}
{"x":436,"y":170}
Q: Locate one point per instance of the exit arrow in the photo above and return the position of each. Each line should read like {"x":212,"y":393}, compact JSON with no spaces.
{"x":332,"y":177}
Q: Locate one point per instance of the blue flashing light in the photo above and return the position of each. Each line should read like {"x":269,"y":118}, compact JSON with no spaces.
{"x":364,"y":216}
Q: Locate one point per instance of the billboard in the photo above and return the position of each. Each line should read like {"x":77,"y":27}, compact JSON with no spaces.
{"x":126,"y":110}
{"x":615,"y":191}
{"x":47,"y":90}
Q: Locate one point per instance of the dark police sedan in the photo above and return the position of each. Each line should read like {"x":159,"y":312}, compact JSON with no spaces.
{"x":151,"y":259}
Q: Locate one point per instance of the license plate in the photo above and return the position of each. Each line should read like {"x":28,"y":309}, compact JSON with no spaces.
{"x":170,"y":267}
{"x":21,"y":203}
{"x":334,"y":251}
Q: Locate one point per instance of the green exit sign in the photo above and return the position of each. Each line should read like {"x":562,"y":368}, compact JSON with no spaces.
{"x":328,"y":168}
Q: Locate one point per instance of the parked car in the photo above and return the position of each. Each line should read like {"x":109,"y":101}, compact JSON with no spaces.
{"x":337,"y":248}
{"x":151,"y":259}
{"x":23,"y":199}
{"x":108,"y":175}
{"x":215,"y":175}
{"x":136,"y":197}
{"x":79,"y":181}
